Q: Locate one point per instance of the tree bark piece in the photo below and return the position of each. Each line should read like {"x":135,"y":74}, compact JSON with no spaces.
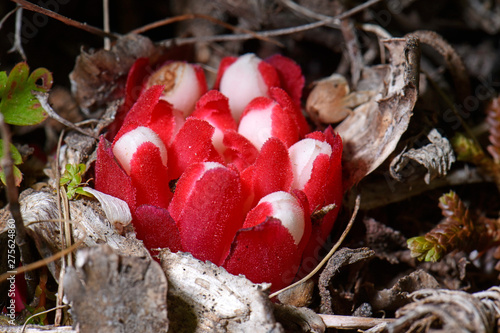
{"x":203,"y":297}
{"x":113,"y":293}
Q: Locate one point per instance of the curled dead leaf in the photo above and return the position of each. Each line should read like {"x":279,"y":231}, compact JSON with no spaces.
{"x":371,"y":133}
{"x":437,"y":158}
{"x":98,"y":78}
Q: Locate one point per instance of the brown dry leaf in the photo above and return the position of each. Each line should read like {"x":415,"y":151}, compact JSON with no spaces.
{"x":113,"y":293}
{"x":342,"y":258}
{"x":399,"y":294}
{"x":203,"y":297}
{"x":88,"y":222}
{"x":98,"y":78}
{"x":436,"y":157}
{"x":373,"y":130}
{"x":331,"y":101}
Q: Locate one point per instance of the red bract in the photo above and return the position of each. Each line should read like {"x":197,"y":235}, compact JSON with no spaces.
{"x":207,"y":209}
{"x":237,"y":192}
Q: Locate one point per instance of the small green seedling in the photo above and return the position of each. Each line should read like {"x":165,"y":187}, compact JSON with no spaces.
{"x":72,"y":179}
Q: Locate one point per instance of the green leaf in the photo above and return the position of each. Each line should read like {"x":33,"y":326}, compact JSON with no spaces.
{"x":14,"y":153}
{"x":17,"y":159}
{"x":17,"y":102}
{"x":18,"y":176}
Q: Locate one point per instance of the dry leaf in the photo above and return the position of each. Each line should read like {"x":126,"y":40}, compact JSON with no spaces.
{"x":341,"y":258}
{"x":116,"y":210}
{"x":372,"y":132}
{"x":399,"y":294}
{"x":99,"y":78}
{"x":331,"y":101}
{"x":449,"y":311}
{"x":437,"y":157}
{"x":88,"y":222}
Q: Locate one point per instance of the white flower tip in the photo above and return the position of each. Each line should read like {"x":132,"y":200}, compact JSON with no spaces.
{"x":302,"y":155}
{"x":125,"y":148}
{"x":287,"y":209}
{"x":242,"y":82}
{"x":182,"y":86}
{"x":257,"y":125}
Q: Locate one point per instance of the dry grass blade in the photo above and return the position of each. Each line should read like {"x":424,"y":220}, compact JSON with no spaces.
{"x":205,"y":17}
{"x":43,"y":262}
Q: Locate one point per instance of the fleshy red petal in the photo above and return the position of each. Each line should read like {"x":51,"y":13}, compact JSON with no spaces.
{"x":141,"y":112}
{"x":264,"y":118}
{"x":139,"y":70}
{"x":223,"y":65}
{"x":207,"y":209}
{"x":150,"y":176}
{"x":269,"y":74}
{"x":192,"y":144}
{"x":214,"y":108}
{"x":239,"y":151}
{"x":264,"y":253}
{"x":290,"y":75}
{"x":280,"y":96}
{"x":110,"y":178}
{"x":156,"y":228}
{"x":272,"y":170}
{"x":333,"y":193}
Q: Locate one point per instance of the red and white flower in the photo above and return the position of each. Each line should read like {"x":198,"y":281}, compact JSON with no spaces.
{"x":235,"y":182}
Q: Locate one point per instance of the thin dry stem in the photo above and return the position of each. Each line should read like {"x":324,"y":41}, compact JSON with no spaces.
{"x":44,"y":261}
{"x":83,"y":26}
{"x":329,"y":255}
{"x":43,"y":98}
{"x":269,"y":33}
{"x":18,"y":46}
{"x":22,"y":240}
{"x":351,"y":322}
{"x":205,"y":17}
{"x":105,"y":9}
{"x":2,"y":21}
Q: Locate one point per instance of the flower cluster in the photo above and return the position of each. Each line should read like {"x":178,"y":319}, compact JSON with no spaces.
{"x":231,"y":175}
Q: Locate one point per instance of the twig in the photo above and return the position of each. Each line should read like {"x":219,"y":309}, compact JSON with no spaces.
{"x":43,"y":98}
{"x":306,"y":12}
{"x":93,"y":30}
{"x":60,"y":288}
{"x":2,"y":21}
{"x":105,"y":5}
{"x":269,"y":33}
{"x":40,"y":313}
{"x":205,"y":17}
{"x":44,"y":261}
{"x":453,"y":61}
{"x":351,"y":322}
{"x":18,"y":47}
{"x":329,"y":255}
{"x":381,"y":34}
{"x":15,"y":209}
